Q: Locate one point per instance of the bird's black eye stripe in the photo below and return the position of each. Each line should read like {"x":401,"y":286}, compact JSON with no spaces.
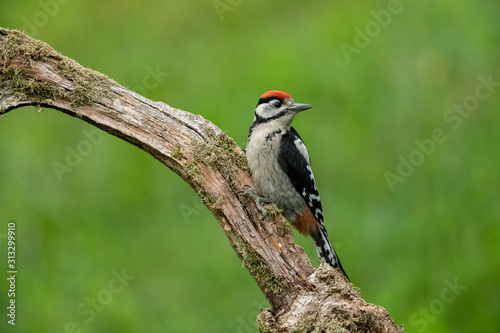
{"x":276,"y":104}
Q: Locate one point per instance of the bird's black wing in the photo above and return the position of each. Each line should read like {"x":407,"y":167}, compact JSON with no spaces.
{"x":295,"y":161}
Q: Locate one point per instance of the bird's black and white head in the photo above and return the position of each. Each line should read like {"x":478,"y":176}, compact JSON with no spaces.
{"x":277,"y":107}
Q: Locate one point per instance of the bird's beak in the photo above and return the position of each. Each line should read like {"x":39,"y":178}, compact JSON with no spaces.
{"x":297,"y":107}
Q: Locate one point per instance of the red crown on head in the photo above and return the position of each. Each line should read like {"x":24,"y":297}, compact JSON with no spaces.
{"x":275,"y":94}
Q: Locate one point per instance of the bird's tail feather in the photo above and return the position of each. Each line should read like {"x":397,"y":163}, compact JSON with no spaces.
{"x":326,"y":252}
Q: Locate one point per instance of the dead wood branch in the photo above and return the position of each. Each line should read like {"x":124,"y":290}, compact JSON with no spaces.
{"x":301,"y":298}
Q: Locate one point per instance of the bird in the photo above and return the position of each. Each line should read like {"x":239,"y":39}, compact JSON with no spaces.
{"x":280,"y":167}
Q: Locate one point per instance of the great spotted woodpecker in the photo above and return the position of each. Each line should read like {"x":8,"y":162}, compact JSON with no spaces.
{"x":281,"y":168}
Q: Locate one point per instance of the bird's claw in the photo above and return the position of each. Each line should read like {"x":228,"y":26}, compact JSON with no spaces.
{"x":251,"y":194}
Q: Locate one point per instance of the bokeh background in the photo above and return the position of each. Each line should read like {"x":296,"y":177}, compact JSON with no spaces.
{"x":379,"y":74}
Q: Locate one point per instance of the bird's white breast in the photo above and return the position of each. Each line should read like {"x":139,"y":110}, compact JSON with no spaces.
{"x":262,"y":151}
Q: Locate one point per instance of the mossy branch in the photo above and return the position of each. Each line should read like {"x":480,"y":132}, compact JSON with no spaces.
{"x":301,"y":299}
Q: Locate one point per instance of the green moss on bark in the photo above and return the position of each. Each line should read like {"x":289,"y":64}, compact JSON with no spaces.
{"x":38,"y":91}
{"x":220,"y":153}
{"x":267,"y":279}
{"x":90,"y":87}
{"x":177,"y":153}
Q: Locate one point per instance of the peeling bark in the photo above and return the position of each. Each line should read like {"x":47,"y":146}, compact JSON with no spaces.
{"x":302,"y":299}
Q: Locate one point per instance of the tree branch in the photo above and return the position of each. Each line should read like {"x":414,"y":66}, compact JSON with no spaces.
{"x":301,"y":298}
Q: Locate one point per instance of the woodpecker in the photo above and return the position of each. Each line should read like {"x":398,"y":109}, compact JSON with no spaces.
{"x":281,"y":168}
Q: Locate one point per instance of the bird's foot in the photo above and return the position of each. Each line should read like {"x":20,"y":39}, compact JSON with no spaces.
{"x":251,"y":194}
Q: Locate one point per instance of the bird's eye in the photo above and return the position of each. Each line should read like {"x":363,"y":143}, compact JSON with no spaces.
{"x":276,"y":104}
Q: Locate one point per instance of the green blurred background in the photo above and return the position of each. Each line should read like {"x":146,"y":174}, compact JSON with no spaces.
{"x":426,"y":249}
